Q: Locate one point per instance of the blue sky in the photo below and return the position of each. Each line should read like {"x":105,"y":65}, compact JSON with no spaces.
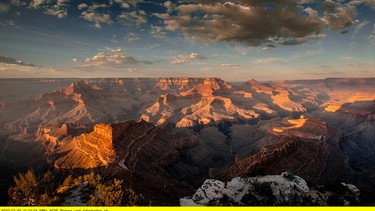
{"x":233,"y":40}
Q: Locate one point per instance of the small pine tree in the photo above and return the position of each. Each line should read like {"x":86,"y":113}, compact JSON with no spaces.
{"x":68,"y":181}
{"x":29,"y":191}
{"x":109,"y":195}
{"x":24,"y":193}
{"x":113,"y":193}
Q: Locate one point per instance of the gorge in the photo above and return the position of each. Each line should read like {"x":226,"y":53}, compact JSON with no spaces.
{"x":165,"y":136}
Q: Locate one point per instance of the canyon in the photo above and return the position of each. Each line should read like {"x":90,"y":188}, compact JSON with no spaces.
{"x":166,"y":136}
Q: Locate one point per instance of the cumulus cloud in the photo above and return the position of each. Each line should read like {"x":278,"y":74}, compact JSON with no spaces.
{"x":169,"y":5}
{"x":188,"y":58}
{"x":82,"y":6}
{"x":247,"y":22}
{"x":337,"y":15}
{"x":255,"y":23}
{"x":114,"y":58}
{"x":58,"y":8}
{"x":97,"y":18}
{"x":37,"y":3}
{"x":127,"y":3}
{"x":132,"y":18}
{"x":92,"y":14}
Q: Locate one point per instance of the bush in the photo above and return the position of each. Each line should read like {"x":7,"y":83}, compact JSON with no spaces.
{"x":30,"y":191}
{"x":113,"y":194}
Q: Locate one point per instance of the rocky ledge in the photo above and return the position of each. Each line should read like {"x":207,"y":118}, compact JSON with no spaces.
{"x":284,"y":189}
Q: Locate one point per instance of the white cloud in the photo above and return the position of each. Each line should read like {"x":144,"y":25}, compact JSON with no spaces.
{"x":127,"y":3}
{"x":188,"y":58}
{"x":82,"y":6}
{"x":37,"y":3}
{"x":58,"y":8}
{"x":97,"y":18}
{"x":123,"y":3}
{"x":169,"y":5}
{"x":91,"y":14}
{"x":113,"y":58}
{"x":96,"y":6}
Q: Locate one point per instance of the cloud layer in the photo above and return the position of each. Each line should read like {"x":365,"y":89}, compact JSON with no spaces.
{"x":250,"y":22}
{"x":114,"y":58}
{"x":188,"y":58}
{"x":255,"y":23}
{"x":12,"y":61}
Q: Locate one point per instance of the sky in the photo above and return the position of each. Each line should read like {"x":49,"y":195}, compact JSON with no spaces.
{"x":234,"y":40}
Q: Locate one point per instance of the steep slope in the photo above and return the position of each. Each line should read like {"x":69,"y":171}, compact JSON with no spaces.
{"x":138,"y":152}
{"x":304,"y":148}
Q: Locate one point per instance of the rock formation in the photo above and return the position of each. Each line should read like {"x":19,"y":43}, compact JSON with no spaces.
{"x":284,"y":189}
{"x":303,"y":148}
{"x":205,"y":126}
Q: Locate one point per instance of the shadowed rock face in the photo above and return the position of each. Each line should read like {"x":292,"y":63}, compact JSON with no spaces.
{"x":129,"y":144}
{"x":304,"y":149}
{"x":138,"y":152}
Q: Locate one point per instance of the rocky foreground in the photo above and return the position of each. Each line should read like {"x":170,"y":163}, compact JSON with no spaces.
{"x":270,"y":190}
